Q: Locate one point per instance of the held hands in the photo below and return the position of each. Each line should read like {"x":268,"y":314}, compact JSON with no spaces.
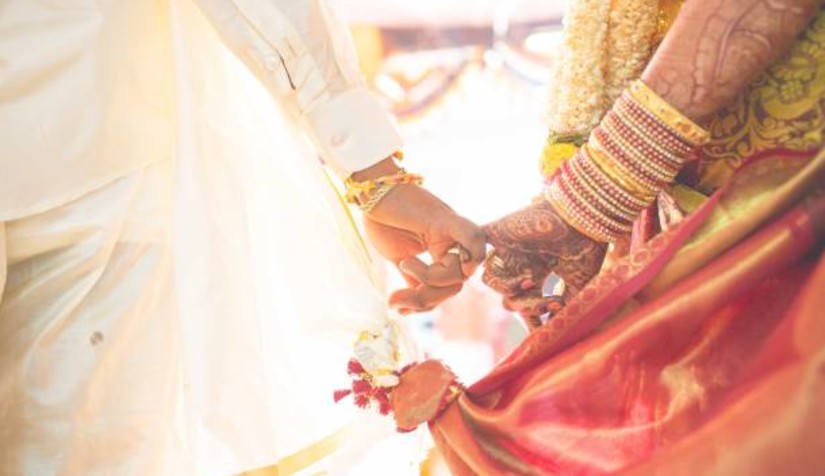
{"x":529,"y":245}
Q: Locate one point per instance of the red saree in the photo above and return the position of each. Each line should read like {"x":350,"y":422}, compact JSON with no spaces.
{"x":701,"y":352}
{"x":724,"y":373}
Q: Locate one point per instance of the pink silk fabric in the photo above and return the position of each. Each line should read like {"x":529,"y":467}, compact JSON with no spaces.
{"x":723,"y":373}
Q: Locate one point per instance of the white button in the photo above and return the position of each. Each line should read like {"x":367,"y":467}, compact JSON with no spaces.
{"x":337,"y":140}
{"x":272,"y":63}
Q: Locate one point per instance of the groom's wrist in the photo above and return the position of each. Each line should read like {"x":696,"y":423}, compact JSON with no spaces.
{"x":383,"y":168}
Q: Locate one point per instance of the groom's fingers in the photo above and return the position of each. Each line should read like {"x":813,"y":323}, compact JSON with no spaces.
{"x":474,"y":241}
{"x":411,"y":280}
{"x":422,"y":298}
{"x":445,"y":272}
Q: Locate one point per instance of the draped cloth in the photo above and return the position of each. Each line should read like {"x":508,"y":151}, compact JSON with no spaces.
{"x":193,"y":316}
{"x":703,"y":350}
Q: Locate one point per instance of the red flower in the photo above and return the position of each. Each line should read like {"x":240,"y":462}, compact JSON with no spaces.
{"x":354,"y":367}
{"x":361,"y":386}
{"x":383,"y":400}
{"x":339,"y":395}
{"x":363,"y":401}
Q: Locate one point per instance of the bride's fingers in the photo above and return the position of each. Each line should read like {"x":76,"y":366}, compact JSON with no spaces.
{"x":507,"y":281}
{"x":531,"y":299}
{"x":526,"y":309}
{"x":445,"y":272}
{"x":534,"y":309}
{"x":422,"y":298}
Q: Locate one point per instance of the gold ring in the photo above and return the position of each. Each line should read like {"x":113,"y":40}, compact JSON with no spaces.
{"x":495,"y":261}
{"x":458,"y":250}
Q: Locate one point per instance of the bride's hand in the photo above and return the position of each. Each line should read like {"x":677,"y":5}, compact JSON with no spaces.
{"x":530,"y":244}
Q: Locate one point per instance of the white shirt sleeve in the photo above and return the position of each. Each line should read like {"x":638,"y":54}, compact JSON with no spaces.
{"x":305,"y":57}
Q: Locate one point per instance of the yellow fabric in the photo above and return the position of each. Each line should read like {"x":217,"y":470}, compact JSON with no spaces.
{"x":758,"y":194}
{"x":370,"y":47}
{"x":687,"y":198}
{"x":784,"y":108}
{"x":553,"y":155}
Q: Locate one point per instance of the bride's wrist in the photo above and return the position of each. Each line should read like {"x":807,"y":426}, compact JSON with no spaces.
{"x":637,"y":149}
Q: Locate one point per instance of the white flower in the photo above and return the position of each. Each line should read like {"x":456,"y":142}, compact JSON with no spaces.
{"x":377,"y":352}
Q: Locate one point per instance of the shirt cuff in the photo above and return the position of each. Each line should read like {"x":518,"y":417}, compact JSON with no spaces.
{"x":352,"y":131}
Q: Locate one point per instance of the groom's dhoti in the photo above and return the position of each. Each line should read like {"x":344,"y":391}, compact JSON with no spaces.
{"x":88,"y":335}
{"x":96,"y":375}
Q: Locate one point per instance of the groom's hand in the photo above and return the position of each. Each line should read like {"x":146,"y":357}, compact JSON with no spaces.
{"x":409,"y":221}
{"x":531,"y":243}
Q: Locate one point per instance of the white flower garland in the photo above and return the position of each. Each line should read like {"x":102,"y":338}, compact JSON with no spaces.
{"x":576,"y":92}
{"x":605,"y":45}
{"x":630,"y":38}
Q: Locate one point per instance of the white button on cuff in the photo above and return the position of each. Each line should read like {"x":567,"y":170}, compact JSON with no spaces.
{"x":337,"y":140}
{"x":272,"y":63}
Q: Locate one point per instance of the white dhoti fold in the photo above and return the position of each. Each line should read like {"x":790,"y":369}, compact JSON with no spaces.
{"x":89,"y":336}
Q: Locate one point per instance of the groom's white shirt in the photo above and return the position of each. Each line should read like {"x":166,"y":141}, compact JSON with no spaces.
{"x":88,"y":89}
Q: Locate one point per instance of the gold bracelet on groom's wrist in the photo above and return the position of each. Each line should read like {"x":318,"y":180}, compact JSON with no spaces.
{"x":367,"y":194}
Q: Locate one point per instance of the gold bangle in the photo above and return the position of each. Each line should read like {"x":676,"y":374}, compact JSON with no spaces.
{"x":652,"y":171}
{"x":597,"y":214}
{"x":376,"y":197}
{"x":627,"y":121}
{"x":582,"y":227}
{"x":669,"y":115}
{"x":631,"y":199}
{"x":622,"y":178}
{"x":630,"y":111}
{"x":620,"y":210}
{"x":360,"y":193}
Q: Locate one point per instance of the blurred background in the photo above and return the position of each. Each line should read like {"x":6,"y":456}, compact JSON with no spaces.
{"x":466,"y":80}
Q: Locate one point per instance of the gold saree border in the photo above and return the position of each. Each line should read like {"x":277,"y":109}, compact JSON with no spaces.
{"x":736,"y":216}
{"x":305,"y":457}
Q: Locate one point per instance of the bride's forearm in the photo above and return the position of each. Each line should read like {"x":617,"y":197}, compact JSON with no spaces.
{"x":716,"y":47}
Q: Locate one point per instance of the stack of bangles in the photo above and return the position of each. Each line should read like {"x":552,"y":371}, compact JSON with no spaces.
{"x":369,"y":193}
{"x":637,"y":149}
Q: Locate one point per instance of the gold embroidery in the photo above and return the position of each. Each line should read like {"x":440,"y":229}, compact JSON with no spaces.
{"x":668,"y":10}
{"x":784,"y":108}
{"x":667,"y":114}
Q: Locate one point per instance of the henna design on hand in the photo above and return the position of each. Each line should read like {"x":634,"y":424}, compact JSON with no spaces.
{"x":532,"y":243}
{"x":717,"y":47}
